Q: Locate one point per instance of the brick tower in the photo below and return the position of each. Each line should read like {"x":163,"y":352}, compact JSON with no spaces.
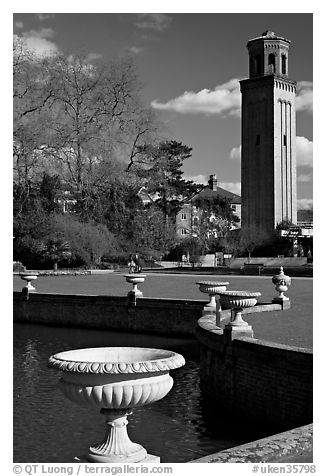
{"x":268,"y":134}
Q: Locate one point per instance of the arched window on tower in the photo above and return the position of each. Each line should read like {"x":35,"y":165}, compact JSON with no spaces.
{"x":258,"y":64}
{"x":271,"y":62}
{"x":283,"y":64}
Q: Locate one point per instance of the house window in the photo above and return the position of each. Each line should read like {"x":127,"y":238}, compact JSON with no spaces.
{"x":233,"y":207}
{"x":183,"y":216}
{"x":257,"y":139}
{"x":284,"y":139}
{"x":183,"y":231}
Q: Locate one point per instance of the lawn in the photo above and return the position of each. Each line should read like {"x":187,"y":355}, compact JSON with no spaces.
{"x":291,"y":327}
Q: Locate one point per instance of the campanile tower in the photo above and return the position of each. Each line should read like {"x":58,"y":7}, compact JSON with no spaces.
{"x":268,"y":134}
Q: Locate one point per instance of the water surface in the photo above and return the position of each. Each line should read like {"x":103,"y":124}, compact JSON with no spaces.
{"x":48,"y":428}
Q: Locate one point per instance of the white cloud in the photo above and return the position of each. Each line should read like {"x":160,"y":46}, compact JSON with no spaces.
{"x":153,"y":21}
{"x":42,"y":33}
{"x":305,"y":203}
{"x":224,"y":99}
{"x":38,"y":42}
{"x":304,"y":177}
{"x":93,"y":56}
{"x":41,"y":46}
{"x":136,"y":50}
{"x":235,"y":153}
{"x":304,"y":152}
{"x":201,"y":178}
{"x":304,"y":96}
{"x":44,"y":16}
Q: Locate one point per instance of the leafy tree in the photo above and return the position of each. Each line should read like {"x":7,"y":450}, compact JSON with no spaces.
{"x":284,"y":225}
{"x":55,"y":249}
{"x":251,"y":238}
{"x":159,"y":167}
{"x":88,"y":241}
{"x":215,"y":219}
{"x":149,"y":231}
{"x":186,"y":246}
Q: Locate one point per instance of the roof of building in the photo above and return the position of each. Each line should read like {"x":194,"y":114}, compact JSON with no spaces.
{"x":207,"y":192}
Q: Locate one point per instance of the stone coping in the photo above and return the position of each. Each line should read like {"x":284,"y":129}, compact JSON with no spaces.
{"x":289,"y":444}
{"x":207,"y":330}
{"x":259,"y":307}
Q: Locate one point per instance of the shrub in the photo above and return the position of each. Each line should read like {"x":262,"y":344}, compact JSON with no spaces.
{"x":18,"y":267}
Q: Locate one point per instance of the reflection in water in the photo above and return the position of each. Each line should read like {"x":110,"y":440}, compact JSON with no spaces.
{"x":49,"y":428}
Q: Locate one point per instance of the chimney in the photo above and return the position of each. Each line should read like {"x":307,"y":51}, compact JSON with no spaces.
{"x":212,"y":182}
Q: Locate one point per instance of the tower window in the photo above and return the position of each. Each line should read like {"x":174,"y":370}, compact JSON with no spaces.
{"x":258,"y":64}
{"x":283,"y":64}
{"x":284,"y":139}
{"x":271,"y":62}
{"x":257,"y":139}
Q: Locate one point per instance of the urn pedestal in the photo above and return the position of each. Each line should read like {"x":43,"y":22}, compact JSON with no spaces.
{"x":135,"y":279}
{"x":212,"y":288}
{"x":237,"y":301}
{"x":28,"y":277}
{"x":116,"y":380}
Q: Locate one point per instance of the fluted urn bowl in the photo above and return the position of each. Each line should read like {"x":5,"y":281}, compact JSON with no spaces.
{"x":134,"y":279}
{"x":212,"y":288}
{"x":239,"y":299}
{"x":116,"y":380}
{"x":29,"y":276}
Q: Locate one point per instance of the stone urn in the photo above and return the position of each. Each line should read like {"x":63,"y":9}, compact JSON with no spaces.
{"x":28,"y":276}
{"x":134,"y":279}
{"x":212,"y":288}
{"x":116,"y":380}
{"x":238,"y":299}
{"x":282,"y":283}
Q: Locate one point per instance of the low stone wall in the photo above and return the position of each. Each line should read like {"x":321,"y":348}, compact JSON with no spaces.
{"x":290,"y":446}
{"x":255,"y":380}
{"x":173,"y":317}
{"x":274,"y":262}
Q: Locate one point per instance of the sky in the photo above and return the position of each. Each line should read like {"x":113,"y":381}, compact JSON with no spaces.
{"x":190,"y":65}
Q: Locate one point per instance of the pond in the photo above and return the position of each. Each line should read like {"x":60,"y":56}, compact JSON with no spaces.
{"x":48,"y":428}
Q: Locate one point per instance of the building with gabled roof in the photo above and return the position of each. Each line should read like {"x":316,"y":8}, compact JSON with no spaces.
{"x":188,"y":218}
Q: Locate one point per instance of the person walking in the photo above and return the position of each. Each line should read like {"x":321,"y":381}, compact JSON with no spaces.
{"x":138,"y":267}
{"x":131,"y":264}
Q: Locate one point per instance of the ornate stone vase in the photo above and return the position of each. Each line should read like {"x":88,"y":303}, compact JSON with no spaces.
{"x":238,"y":299}
{"x":135,"y":279}
{"x":116,"y":380}
{"x":213,"y":288}
{"x":28,"y":276}
{"x":282,"y":283}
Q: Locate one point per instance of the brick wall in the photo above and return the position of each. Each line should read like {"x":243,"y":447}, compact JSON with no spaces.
{"x":153,"y":316}
{"x":256,"y":380}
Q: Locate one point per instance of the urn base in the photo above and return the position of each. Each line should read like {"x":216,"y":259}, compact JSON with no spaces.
{"x":136,"y":456}
{"x":150,"y":459}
